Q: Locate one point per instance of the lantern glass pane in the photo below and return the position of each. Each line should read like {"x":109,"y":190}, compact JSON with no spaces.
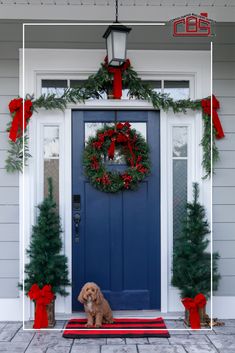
{"x":119,"y":42}
{"x":110,"y":47}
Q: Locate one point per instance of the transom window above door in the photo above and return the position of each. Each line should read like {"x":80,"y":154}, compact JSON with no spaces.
{"x":177,"y":89}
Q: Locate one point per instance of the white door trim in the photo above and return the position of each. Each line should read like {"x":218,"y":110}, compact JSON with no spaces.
{"x":40,"y":62}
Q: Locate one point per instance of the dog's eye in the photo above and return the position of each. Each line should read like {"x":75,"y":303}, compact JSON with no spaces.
{"x":92,"y":290}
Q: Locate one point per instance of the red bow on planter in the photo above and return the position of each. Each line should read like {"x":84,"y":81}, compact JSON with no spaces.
{"x":16,"y":110}
{"x":117,"y":76}
{"x":193,"y":306}
{"x":206,"y":106}
{"x":42,"y":298}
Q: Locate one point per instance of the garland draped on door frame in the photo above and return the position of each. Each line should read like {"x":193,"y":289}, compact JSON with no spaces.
{"x":102,"y":82}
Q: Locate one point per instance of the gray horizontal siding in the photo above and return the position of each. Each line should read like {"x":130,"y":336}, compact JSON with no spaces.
{"x":224,"y":179}
{"x":223,"y":231}
{"x":223,"y":195}
{"x":8,"y":179}
{"x":4,"y":140}
{"x":9,"y":287}
{"x":4,"y":118}
{"x":226,"y":286}
{"x":222,"y":71}
{"x":9,"y":214}
{"x":9,"y":232}
{"x":9,"y":195}
{"x":228,"y":123}
{"x":9,"y":68}
{"x":224,"y":88}
{"x":9,"y":250}
{"x":9,"y":269}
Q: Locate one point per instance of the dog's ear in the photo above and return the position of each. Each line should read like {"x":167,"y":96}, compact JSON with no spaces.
{"x":81,"y":294}
{"x":99,"y":295}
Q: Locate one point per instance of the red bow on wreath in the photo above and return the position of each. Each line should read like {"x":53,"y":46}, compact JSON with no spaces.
{"x":206,"y":106}
{"x":117,"y":76}
{"x":42,"y":298}
{"x":193,"y":306}
{"x":16,"y":110}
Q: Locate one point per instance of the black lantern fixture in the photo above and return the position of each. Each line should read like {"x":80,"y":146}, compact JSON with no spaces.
{"x":116,"y":39}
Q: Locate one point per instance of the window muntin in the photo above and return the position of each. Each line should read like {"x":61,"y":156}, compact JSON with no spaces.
{"x":177,"y":89}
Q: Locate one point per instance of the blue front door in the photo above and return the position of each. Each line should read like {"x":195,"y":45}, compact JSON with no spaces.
{"x":119,"y":234}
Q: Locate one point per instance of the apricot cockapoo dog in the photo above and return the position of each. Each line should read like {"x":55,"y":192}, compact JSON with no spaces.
{"x":96,"y":306}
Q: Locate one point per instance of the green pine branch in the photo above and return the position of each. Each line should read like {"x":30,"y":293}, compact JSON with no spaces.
{"x":101,"y":82}
{"x":191,"y":261}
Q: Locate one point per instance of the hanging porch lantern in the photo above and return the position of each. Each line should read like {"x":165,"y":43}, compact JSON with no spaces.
{"x":116,"y":40}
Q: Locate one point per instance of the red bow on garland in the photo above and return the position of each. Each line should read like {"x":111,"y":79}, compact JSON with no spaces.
{"x":117,"y":76}
{"x":193,"y":305}
{"x":16,"y":110}
{"x":42,"y":298}
{"x":206,"y":106}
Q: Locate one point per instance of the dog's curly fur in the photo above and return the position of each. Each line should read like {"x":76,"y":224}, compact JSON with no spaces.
{"x":96,"y":306}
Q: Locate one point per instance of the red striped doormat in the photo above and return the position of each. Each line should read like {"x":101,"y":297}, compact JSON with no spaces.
{"x":122,"y":327}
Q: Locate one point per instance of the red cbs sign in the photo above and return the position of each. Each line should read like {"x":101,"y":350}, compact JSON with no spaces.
{"x":192,"y":25}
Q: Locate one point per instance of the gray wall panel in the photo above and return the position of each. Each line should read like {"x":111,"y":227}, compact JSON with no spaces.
{"x":228,"y":123}
{"x":9,"y":86}
{"x":224,"y":88}
{"x":224,"y":177}
{"x":223,"y":231}
{"x":8,"y":179}
{"x":9,"y":288}
{"x":224,"y":70}
{"x":4,"y":103}
{"x":9,"y":250}
{"x":4,"y":118}
{"x":9,"y":232}
{"x":227,"y":159}
{"x":227,"y":143}
{"x":9,"y":268}
{"x":224,"y":213}
{"x":226,"y":286}
{"x":223,"y":195}
{"x":9,"y":68}
{"x":225,"y":249}
{"x":4,"y":141}
{"x":226,"y":267}
{"x":10,"y":50}
{"x":9,"y":195}
{"x":226,"y":105}
{"x":9,"y":214}
{"x":3,"y":156}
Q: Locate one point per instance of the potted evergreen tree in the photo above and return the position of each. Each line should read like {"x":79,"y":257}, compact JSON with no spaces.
{"x":191,"y":261}
{"x":46,"y":263}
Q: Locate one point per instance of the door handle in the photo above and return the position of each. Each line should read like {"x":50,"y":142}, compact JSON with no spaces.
{"x":76,"y":219}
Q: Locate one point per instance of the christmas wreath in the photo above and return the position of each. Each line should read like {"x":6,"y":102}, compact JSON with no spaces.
{"x":101,"y":148}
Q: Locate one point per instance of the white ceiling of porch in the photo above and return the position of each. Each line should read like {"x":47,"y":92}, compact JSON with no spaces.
{"x":199,"y":3}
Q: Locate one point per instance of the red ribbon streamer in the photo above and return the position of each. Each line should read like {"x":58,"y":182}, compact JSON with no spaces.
{"x":117,"y":77}
{"x":42,"y":297}
{"x":193,"y":306}
{"x":16,"y":110}
{"x":206,"y":106}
